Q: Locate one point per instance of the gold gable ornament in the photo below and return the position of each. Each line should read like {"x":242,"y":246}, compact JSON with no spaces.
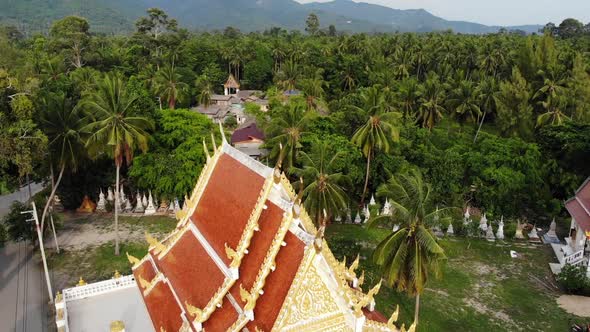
{"x":393,"y":318}
{"x":248,"y":298}
{"x":133,"y":260}
{"x":144,"y":283}
{"x":233,"y":256}
{"x":194,"y":311}
{"x":159,"y":247}
{"x":81,"y":282}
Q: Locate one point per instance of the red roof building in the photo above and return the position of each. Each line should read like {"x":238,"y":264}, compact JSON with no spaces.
{"x":245,"y":257}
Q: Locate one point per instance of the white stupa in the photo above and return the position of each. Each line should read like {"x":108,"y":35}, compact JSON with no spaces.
{"x":450,"y":230}
{"x":395,"y":228}
{"x":551,"y":232}
{"x":139,"y":208}
{"x":372,"y":201}
{"x":533,"y":236}
{"x":483,"y":223}
{"x":386,"y":208}
{"x":101,"y":206}
{"x":128,"y":207}
{"x":150,"y":209}
{"x":466,"y":217}
{"x":357,"y":219}
{"x":518,"y":234}
{"x":490,"y":233}
{"x":110,"y":195}
{"x":367,"y":213}
{"x":500,"y":231}
{"x":348,"y":216}
{"x":144,"y":200}
{"x":176,"y":205}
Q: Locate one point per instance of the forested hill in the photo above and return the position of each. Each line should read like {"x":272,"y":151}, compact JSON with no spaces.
{"x":118,"y":16}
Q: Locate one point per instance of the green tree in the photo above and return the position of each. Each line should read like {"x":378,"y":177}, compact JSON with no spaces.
{"x":464,"y":100}
{"x":579,"y":90}
{"x":312,"y":24}
{"x":285,"y":129}
{"x":431,"y":102}
{"x":71,"y":35}
{"x":409,"y":255}
{"x":323,"y":191}
{"x":169,"y":85}
{"x":112,"y":130}
{"x":514,"y":111}
{"x":379,"y":130}
{"x":62,"y":124}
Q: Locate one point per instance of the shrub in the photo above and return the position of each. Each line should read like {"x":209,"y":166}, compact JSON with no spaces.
{"x":3,"y":235}
{"x":19,"y":228}
{"x":573,"y":279}
{"x":509,"y":230}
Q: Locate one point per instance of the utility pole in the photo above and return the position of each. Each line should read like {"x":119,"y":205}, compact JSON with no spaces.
{"x":40,"y":236}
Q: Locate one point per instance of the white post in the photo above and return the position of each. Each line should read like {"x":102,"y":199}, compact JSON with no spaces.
{"x":40,"y":236}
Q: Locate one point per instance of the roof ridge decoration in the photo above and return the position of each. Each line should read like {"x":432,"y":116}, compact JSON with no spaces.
{"x":268,"y":265}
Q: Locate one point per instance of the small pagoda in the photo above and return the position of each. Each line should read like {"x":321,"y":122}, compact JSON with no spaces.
{"x":231,"y":86}
{"x":245,"y":256}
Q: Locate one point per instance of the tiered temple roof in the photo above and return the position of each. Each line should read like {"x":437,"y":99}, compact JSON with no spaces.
{"x":245,"y":256}
{"x":579,"y":206}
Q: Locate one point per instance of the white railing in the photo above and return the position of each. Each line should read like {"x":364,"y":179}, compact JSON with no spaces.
{"x":575,"y":258}
{"x":101,"y":287}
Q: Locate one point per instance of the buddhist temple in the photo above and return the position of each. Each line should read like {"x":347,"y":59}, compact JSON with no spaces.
{"x":245,"y":256}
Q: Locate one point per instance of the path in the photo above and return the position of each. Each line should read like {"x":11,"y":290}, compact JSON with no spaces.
{"x":575,"y":304}
{"x":23,"y":294}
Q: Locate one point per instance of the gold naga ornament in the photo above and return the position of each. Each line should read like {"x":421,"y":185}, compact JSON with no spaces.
{"x":133,"y":260}
{"x":81,"y":282}
{"x":367,"y":299}
{"x":393,"y":318}
{"x":233,"y":256}
{"x":194,"y":311}
{"x":247,"y":297}
{"x":154,"y":243}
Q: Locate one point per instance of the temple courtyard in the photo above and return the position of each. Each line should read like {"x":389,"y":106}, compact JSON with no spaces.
{"x":482,"y":288}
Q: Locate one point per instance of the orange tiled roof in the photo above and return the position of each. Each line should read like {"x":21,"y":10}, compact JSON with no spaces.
{"x":163,"y":308}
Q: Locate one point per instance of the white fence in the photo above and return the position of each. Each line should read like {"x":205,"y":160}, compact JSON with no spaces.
{"x":101,"y":287}
{"x":575,"y":258}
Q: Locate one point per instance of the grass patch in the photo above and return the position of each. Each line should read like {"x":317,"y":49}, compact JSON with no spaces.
{"x":482,"y":288}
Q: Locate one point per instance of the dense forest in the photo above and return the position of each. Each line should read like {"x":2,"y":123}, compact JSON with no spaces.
{"x":497,"y":121}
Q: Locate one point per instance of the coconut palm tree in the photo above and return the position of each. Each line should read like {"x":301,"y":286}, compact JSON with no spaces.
{"x":465,"y":102}
{"x":169,"y":86}
{"x":113,"y":130}
{"x":323,"y":191}
{"x":488,"y":92}
{"x":408,"y":255}
{"x":313,"y":88}
{"x":380,"y":129}
{"x":431,"y":102}
{"x":62,"y":123}
{"x":286,"y":129}
{"x":555,"y":111}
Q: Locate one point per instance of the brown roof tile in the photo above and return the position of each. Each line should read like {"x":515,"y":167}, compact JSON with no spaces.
{"x":163,"y":308}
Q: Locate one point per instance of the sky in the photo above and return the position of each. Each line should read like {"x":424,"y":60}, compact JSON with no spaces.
{"x":496,"y":12}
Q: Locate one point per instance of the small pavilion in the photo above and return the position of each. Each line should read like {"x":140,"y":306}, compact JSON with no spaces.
{"x":231,"y":86}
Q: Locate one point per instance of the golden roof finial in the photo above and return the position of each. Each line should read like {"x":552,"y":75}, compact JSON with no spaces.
{"x":194,"y":311}
{"x":117,"y":275}
{"x":222,"y":133}
{"x":394,"y":317}
{"x":403,"y":328}
{"x":279,"y":165}
{"x":214,"y":144}
{"x":412,"y":327}
{"x":319,"y":236}
{"x":361,"y":280}
{"x":81,"y":282}
{"x":162,"y":329}
{"x":374,"y":291}
{"x":117,"y":326}
{"x":154,"y":243}
{"x":354,"y":266}
{"x":248,"y":298}
{"x":296,"y":209}
{"x":233,"y":256}
{"x":132,"y":260}
{"x":206,"y":150}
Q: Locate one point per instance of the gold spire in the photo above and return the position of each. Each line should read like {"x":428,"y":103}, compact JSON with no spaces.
{"x":233,"y":256}
{"x":250,"y":299}
{"x":393,"y":317}
{"x":194,"y":311}
{"x":117,"y":275}
{"x":81,"y":282}
{"x":132,"y":260}
{"x":154,"y":243}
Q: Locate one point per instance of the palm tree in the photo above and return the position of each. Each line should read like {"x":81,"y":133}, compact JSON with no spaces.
{"x":408,"y":95}
{"x":465,"y":102}
{"x":488,"y":93}
{"x":408,"y":255}
{"x":379,"y":130}
{"x":431,"y":102}
{"x":286,"y":130}
{"x":313,"y":88}
{"x":204,"y":97}
{"x":555,"y":112}
{"x":113,"y":130}
{"x":169,"y":85}
{"x":62,"y":124}
{"x":323,"y":191}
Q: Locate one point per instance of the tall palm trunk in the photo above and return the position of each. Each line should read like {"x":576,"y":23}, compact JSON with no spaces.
{"x":50,"y":199}
{"x":367,"y":177}
{"x":479,"y":128}
{"x":117,"y":199}
{"x":417,"y":309}
{"x":172,"y":103}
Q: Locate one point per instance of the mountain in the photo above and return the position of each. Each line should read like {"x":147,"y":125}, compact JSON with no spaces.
{"x":117,"y":16}
{"x":410,"y":20}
